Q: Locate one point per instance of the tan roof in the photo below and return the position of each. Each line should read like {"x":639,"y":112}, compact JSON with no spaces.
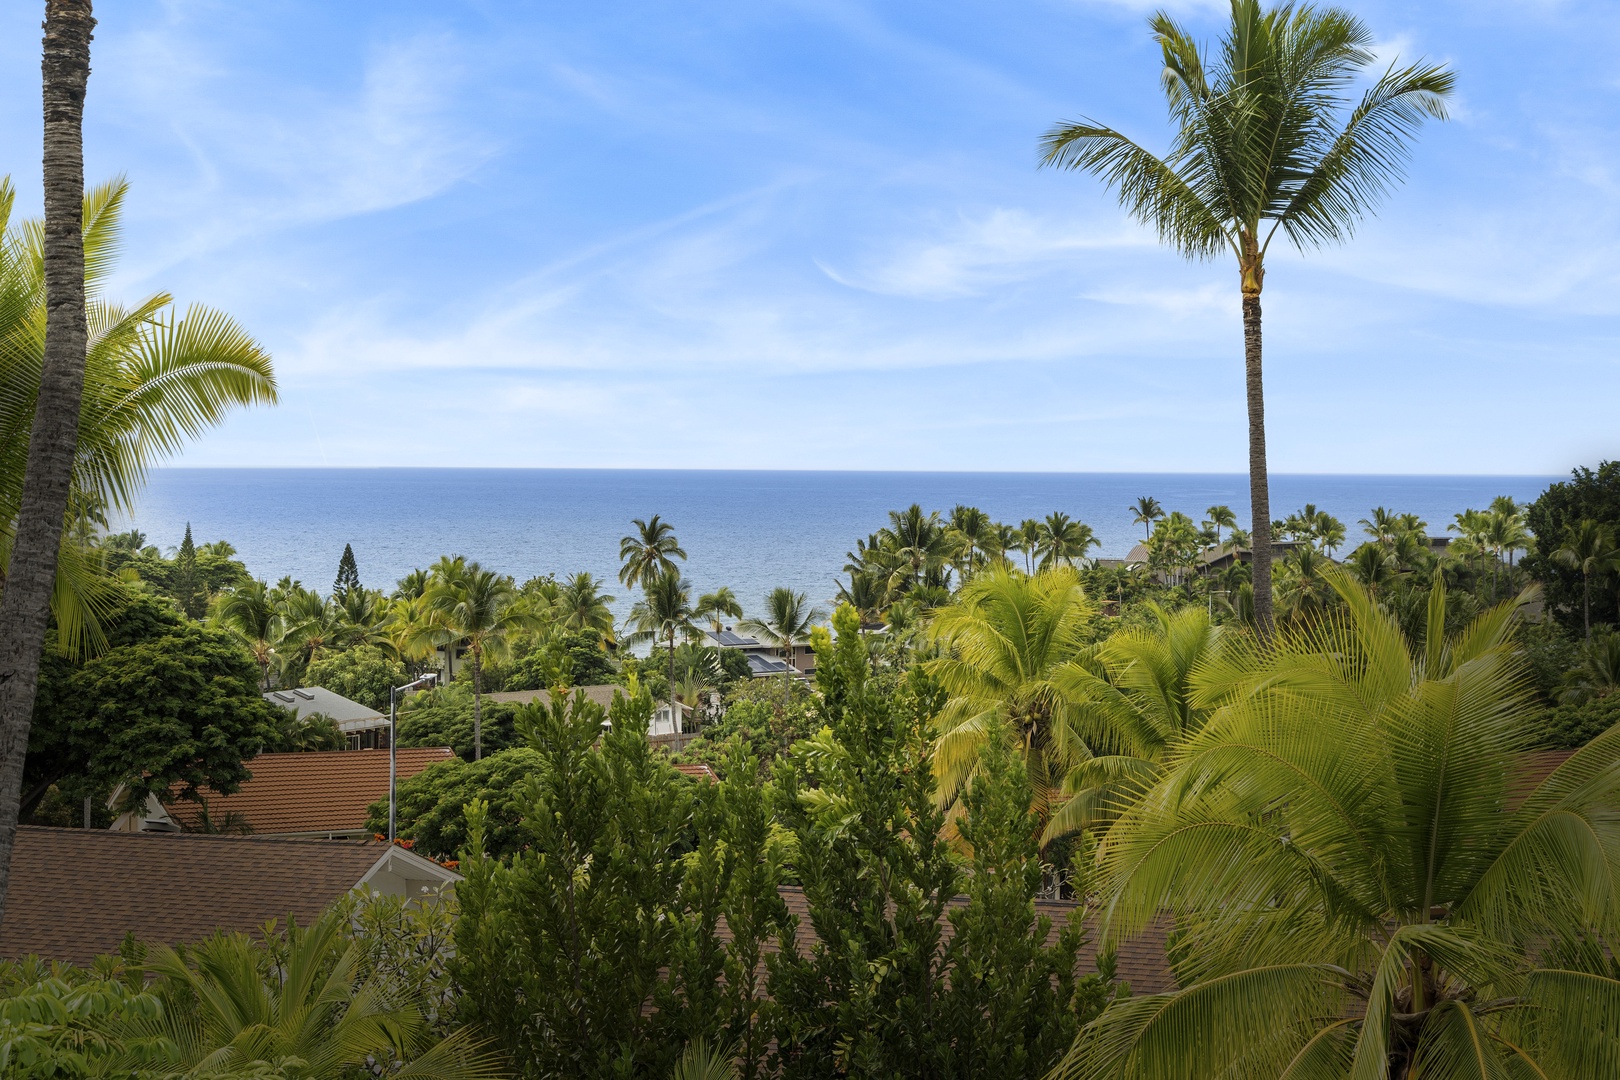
{"x":600,"y":695}
{"x":75,"y":893}
{"x":1141,"y":961}
{"x":326,"y":791}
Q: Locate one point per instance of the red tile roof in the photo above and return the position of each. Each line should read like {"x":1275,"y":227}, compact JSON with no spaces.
{"x":327,"y":791}
{"x":75,"y":893}
{"x":696,"y":772}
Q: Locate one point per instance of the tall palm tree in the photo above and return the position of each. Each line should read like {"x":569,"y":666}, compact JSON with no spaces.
{"x":1265,"y":139}
{"x":1145,"y":512}
{"x":919,"y":540}
{"x":649,"y":552}
{"x":1589,"y":548}
{"x":664,"y":611}
{"x":252,"y":615}
{"x":1008,"y":642}
{"x":787,"y":621}
{"x":1363,"y":879}
{"x":481,"y":611}
{"x":35,"y":526}
{"x":1063,"y":541}
{"x":1029,"y":535}
{"x":1218,"y":518}
{"x":718,"y":606}
{"x":973,"y":534}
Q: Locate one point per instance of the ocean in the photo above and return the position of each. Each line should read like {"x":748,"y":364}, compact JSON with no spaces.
{"x":749,"y":530}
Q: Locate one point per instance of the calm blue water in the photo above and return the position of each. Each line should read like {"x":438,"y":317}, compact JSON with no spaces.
{"x":749,"y":530}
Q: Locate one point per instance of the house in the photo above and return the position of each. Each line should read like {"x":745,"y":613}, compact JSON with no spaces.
{"x":75,"y":893}
{"x":662,"y":722}
{"x":764,"y":660}
{"x":314,"y":795}
{"x":365,"y":727}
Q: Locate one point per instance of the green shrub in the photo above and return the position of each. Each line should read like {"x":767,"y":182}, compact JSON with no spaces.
{"x":1570,"y":727}
{"x":364,"y":673}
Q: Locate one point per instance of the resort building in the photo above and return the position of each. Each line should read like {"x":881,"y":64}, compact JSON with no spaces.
{"x":364,"y":727}
{"x":764,"y":660}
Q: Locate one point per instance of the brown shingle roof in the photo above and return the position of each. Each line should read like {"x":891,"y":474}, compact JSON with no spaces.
{"x":75,"y":893}
{"x":327,"y":791}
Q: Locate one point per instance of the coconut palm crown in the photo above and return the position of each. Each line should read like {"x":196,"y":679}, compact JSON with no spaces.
{"x":1265,"y":140}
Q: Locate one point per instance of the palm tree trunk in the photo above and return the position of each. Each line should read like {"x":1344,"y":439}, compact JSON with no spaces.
{"x":1259,"y":485}
{"x":1586,"y":603}
{"x":25,"y":603}
{"x":674,"y":715}
{"x":478,"y":707}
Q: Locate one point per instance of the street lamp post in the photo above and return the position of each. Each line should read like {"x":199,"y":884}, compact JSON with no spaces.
{"x":393,"y":740}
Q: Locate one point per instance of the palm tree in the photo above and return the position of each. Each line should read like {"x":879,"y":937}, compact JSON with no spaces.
{"x":1144,"y":692}
{"x":581,"y":605}
{"x":664,"y":610}
{"x":1590,"y":549}
{"x":481,"y":611}
{"x":1382,"y":525}
{"x":1220,"y":517}
{"x":1063,"y":541}
{"x":152,"y":380}
{"x":1599,"y":672}
{"x":1363,"y":880}
{"x":45,"y":480}
{"x":1009,"y":642}
{"x":234,"y":1010}
{"x":412,"y":585}
{"x":973,"y":533}
{"x":648,"y":552}
{"x":252,"y":615}
{"x":1029,"y":533}
{"x":1146,"y":511}
{"x":919,"y":540}
{"x":786,"y":623}
{"x":1264,"y":141}
{"x":717,"y":606}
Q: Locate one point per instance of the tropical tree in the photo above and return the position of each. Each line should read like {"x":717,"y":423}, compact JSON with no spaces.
{"x":581,"y":605}
{"x":234,"y":1009}
{"x":1063,"y":542}
{"x":1598,"y":674}
{"x":664,"y":612}
{"x":1145,"y":512}
{"x":718,"y":606}
{"x":787,"y":621}
{"x":480,"y":611}
{"x":1589,"y":548}
{"x":44,"y":478}
{"x":1029,"y":535}
{"x":252,"y":615}
{"x":1265,"y":140}
{"x":1143,"y":691}
{"x":1009,"y":642}
{"x":1363,"y":880}
{"x":1220,"y":517}
{"x":973,"y":535}
{"x":649,"y":552}
{"x":919,"y":541}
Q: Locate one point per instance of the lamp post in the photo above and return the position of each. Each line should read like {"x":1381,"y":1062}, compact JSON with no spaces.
{"x":393,"y":739}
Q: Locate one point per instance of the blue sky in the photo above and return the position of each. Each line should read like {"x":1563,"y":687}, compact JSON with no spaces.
{"x":812,"y":235}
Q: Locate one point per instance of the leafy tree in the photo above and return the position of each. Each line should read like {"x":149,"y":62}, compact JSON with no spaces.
{"x":432,"y":805}
{"x":1265,"y":140}
{"x":364,"y":673}
{"x":168,"y":703}
{"x":444,"y":717}
{"x":649,"y":553}
{"x":560,"y":949}
{"x":1588,"y":495}
{"x":572,"y":658}
{"x":1377,"y":902}
{"x":786,"y":623}
{"x":348,"y":574}
{"x":1572,"y":726}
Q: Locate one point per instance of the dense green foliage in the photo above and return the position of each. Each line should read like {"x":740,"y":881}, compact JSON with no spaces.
{"x":170,"y":702}
{"x":1588,"y":495}
{"x":364,"y":673}
{"x":444,"y":717}
{"x":431,"y":811}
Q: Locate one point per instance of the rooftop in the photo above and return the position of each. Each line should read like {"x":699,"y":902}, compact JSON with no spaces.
{"x":319,"y":792}
{"x":75,"y":893}
{"x":305,"y":700}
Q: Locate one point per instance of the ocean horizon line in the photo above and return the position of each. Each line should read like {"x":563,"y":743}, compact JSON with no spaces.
{"x":845,"y":472}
